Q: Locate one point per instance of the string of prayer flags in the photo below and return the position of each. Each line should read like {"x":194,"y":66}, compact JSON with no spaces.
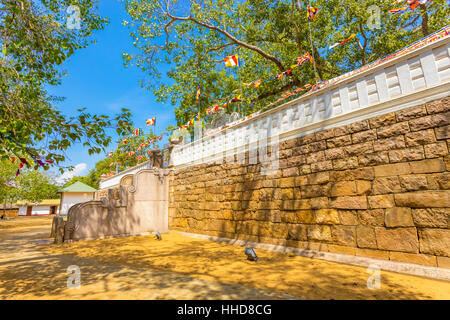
{"x":232,"y":61}
{"x":343,"y":42}
{"x":136,"y":132}
{"x":151,"y":121}
{"x":312,"y":12}
{"x":13,"y":159}
{"x":125,"y":141}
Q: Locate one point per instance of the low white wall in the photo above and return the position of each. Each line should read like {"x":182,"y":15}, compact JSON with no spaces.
{"x":70,"y":199}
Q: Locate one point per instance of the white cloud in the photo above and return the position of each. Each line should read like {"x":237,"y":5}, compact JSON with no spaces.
{"x":78,"y":170}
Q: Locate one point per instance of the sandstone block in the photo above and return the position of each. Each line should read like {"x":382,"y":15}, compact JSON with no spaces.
{"x":365,"y":237}
{"x":374,"y":217}
{"x":297,"y":232}
{"x":420,"y":137}
{"x":345,"y":235}
{"x":358,"y":149}
{"x":348,"y":217}
{"x":376,"y":254}
{"x":343,"y":188}
{"x":341,"y":249}
{"x":438,"y":106}
{"x":398,"y":217}
{"x":392,"y":169}
{"x":435,"y":120}
{"x":325,"y":134}
{"x":435,"y":241}
{"x":427,"y":166}
{"x":413,"y":182}
{"x":393,"y":130}
{"x":339,"y":141}
{"x":327,"y":216}
{"x":422,"y":259}
{"x":398,"y":239}
{"x":442,"y":132}
{"x":383,"y":120}
{"x":350,"y":202}
{"x":423,"y":199}
{"x":364,"y":136}
{"x":436,"y":150}
{"x":443,"y":262}
{"x":373,"y":159}
{"x":386,"y":185}
{"x":319,"y":233}
{"x":408,"y":154}
{"x":432,"y":217}
{"x":381,"y":201}
{"x":391,"y":143}
{"x":411,"y":113}
{"x":347,"y":163}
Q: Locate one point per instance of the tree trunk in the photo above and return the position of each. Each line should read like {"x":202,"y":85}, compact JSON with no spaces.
{"x":425,"y":31}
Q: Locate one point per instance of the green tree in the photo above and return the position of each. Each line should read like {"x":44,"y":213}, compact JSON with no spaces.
{"x":35,"y":186}
{"x":36,"y":37}
{"x":193,"y":37}
{"x":8,"y":190}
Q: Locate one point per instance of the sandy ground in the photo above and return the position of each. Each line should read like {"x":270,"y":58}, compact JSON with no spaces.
{"x":179,"y":267}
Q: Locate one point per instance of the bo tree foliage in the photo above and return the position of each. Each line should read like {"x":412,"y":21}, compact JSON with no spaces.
{"x":35,"y":39}
{"x":194,"y":36}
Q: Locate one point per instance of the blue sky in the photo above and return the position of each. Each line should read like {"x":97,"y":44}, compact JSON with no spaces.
{"x":98,"y":81}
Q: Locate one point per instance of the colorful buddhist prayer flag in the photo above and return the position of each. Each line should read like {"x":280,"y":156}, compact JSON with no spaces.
{"x":232,"y":61}
{"x":151,"y":121}
{"x":304,"y":58}
{"x":110,"y":154}
{"x":125,"y":141}
{"x":257,"y":83}
{"x":312,"y":12}
{"x":413,"y":4}
{"x":136,"y":132}
{"x":197,"y":97}
{"x":13,"y":159}
{"x":398,"y":11}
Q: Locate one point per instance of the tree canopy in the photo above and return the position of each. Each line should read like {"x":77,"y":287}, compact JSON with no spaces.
{"x":36,"y":37}
{"x":193,"y":37}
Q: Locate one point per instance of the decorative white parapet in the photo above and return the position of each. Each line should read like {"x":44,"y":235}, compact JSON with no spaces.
{"x":115,"y":180}
{"x":414,"y":75}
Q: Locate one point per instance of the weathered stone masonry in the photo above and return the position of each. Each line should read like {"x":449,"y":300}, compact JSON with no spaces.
{"x":377,"y":188}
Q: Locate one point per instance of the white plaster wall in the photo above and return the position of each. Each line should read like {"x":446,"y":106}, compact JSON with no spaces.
{"x":40,"y":210}
{"x":70,"y":199}
{"x":22,"y":211}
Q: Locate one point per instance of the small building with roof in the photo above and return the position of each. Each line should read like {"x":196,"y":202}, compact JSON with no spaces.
{"x":44,"y":207}
{"x":77,"y":192}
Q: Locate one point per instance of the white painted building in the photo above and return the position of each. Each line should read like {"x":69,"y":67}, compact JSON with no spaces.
{"x":45,"y":207}
{"x":74,"y":194}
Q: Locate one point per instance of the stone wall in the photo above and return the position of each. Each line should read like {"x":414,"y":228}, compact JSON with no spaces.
{"x":377,"y":188}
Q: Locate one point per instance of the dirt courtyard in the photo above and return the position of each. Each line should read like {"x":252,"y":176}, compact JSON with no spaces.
{"x":179,"y":267}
